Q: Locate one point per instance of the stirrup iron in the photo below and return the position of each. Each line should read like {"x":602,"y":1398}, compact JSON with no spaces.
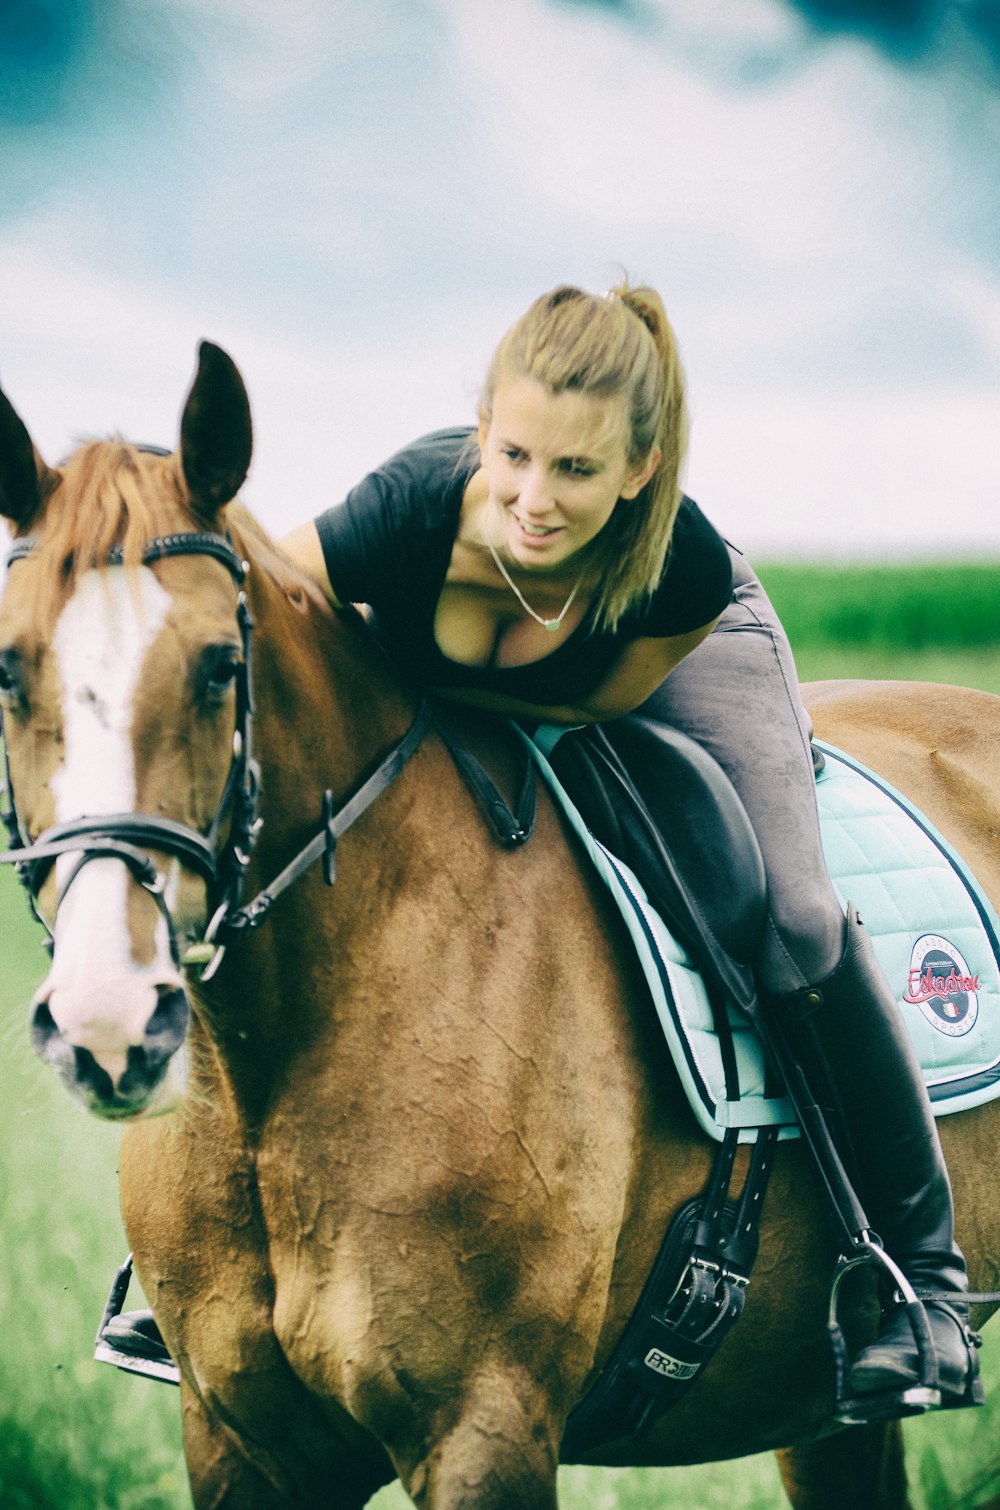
{"x":915,"y":1399}
{"x":127,"y":1347}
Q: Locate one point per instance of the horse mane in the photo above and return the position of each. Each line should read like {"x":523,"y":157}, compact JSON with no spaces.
{"x":109,"y":493}
{"x":252,"y":539}
{"x":113,"y":493}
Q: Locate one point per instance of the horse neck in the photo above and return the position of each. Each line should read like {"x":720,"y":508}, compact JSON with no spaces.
{"x":327,"y":703}
{"x":327,"y":710}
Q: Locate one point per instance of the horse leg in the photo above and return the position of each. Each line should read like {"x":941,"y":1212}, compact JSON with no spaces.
{"x":222,"y":1476}
{"x":501,"y":1452}
{"x":226,"y":1474}
{"x":862,"y":1466}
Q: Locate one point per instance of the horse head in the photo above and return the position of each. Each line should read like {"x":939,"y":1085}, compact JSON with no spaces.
{"x":120,"y":683}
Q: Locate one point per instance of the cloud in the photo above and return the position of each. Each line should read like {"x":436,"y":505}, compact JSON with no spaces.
{"x":87,"y":353}
{"x":920,"y":32}
{"x":356,"y":199}
{"x":800,"y":232}
{"x":910,"y":32}
{"x":44,"y":41}
{"x":848,"y":475}
{"x":822,"y":473}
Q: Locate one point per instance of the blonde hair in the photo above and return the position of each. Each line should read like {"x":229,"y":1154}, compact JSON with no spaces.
{"x":615,"y":345}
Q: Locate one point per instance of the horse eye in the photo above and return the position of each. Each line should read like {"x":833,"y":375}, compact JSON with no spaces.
{"x":10,"y":679}
{"x":219,"y":664}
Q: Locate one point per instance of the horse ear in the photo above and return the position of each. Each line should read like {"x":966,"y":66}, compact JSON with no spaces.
{"x":25,"y":480}
{"x":216,"y":432}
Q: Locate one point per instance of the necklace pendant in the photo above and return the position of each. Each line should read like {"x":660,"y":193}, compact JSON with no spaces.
{"x":552,"y":626}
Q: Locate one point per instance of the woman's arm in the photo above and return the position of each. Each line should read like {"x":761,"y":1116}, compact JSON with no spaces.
{"x":302,"y":546}
{"x":641,"y":668}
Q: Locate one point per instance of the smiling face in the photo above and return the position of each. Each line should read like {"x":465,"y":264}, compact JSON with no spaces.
{"x":556,"y":465}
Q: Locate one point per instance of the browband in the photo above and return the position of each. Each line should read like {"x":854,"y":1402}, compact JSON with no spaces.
{"x":184,"y":543}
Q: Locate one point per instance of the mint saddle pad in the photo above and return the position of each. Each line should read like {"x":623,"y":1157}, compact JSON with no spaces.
{"x":935,"y":934}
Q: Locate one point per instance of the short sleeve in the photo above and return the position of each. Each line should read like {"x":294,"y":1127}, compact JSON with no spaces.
{"x":360,"y":539}
{"x":393,"y":533}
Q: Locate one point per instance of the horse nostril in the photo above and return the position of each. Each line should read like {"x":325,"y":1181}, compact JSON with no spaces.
{"x":168,"y":1025}
{"x":90,"y":1073}
{"x":43,"y":1028}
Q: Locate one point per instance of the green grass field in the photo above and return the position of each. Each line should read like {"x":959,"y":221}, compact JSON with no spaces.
{"x":928,"y":623}
{"x":78,"y":1436}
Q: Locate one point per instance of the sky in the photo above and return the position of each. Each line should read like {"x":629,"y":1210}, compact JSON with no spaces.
{"x":356,"y":197}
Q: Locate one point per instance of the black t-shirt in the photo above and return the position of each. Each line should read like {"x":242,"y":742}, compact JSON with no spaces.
{"x":389,"y":545}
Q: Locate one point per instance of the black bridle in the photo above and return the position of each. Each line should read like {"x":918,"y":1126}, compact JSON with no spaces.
{"x":222,"y":866}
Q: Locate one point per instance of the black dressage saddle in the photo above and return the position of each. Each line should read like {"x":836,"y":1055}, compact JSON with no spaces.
{"x":660,"y":803}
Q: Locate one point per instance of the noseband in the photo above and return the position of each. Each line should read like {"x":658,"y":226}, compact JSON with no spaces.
{"x":124,"y":836}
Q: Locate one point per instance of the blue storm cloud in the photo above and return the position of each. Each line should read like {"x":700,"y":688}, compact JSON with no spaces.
{"x":85,"y":90}
{"x":912,"y":31}
{"x":908,"y":31}
{"x":201,"y":152}
{"x":949,"y":49}
{"x":66,"y":63}
{"x":44,"y":42}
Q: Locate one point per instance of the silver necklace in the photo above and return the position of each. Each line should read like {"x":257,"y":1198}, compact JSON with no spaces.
{"x":552,"y":625}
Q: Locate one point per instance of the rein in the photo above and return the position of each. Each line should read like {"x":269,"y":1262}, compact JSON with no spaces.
{"x":123,"y":836}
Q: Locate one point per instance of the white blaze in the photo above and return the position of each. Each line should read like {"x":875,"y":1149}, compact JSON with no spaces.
{"x":99,"y":997}
{"x":101,"y":642}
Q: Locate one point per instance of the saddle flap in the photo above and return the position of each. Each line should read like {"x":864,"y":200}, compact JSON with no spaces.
{"x":658,"y":802}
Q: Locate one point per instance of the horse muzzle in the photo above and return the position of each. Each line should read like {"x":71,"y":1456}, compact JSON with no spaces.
{"x":116,"y":1072}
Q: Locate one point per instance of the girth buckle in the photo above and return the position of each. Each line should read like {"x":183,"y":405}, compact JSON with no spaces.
{"x":330,"y":844}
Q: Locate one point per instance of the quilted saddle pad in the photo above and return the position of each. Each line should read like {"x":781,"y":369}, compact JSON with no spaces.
{"x":935,"y":934}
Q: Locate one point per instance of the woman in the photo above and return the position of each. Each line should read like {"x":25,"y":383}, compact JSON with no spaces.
{"x":548,"y":567}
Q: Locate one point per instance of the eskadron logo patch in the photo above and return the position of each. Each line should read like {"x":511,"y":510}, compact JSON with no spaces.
{"x":941,"y":984}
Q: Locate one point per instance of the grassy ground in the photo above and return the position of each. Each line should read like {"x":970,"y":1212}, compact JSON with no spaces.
{"x":899,"y":608}
{"x":77,"y":1436}
{"x":915,"y":623}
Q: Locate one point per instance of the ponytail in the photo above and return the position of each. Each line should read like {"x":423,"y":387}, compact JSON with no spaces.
{"x":658,"y":419}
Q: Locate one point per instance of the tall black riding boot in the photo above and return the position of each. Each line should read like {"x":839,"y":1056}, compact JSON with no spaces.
{"x":848,"y":1035}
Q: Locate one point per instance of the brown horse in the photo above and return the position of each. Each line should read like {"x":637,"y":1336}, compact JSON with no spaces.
{"x":418,"y":1134}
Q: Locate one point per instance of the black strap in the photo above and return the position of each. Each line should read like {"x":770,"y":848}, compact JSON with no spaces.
{"x":600,"y":786}
{"x":115,"y":834}
{"x":510,"y":828}
{"x":182,"y":543}
{"x":693,"y":1297}
{"x":335,"y":824}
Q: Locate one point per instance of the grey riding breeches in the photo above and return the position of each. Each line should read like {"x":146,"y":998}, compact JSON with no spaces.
{"x":737,"y":695}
